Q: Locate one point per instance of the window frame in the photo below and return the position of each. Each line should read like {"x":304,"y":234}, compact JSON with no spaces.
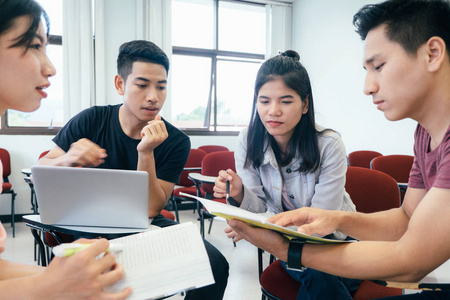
{"x":35,"y":130}
{"x":215,"y":55}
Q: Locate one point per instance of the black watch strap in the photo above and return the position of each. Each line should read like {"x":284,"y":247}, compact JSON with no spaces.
{"x":295,"y":255}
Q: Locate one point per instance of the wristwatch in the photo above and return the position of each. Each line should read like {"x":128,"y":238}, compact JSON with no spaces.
{"x":294,"y":261}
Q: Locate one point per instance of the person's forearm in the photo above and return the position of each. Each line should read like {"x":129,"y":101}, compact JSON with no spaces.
{"x":55,"y":157}
{"x":58,"y":161}
{"x":387,"y":225}
{"x":9,"y":270}
{"x":29,"y":287}
{"x":364,"y":260}
{"x":19,"y":281}
{"x":157,"y":197}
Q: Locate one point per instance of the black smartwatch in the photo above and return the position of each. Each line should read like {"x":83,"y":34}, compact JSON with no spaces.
{"x":294,"y":261}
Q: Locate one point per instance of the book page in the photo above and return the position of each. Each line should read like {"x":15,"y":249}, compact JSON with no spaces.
{"x":230,"y":212}
{"x":163,"y":262}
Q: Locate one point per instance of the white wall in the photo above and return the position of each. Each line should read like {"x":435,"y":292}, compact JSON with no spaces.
{"x":24,"y":152}
{"x":119,"y":27}
{"x":331,"y":51}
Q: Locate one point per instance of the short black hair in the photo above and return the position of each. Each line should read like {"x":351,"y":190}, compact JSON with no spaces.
{"x":411,"y":23}
{"x":139,"y":50}
{"x":12,"y":9}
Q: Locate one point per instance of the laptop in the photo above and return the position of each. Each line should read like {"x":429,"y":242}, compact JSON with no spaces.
{"x":91,"y":196}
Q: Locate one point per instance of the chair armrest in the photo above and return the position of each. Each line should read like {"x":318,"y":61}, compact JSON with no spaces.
{"x":26,"y":171}
{"x":196,"y":177}
{"x":403,"y":185}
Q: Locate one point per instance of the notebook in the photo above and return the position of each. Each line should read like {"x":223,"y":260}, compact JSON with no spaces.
{"x":92,"y":196}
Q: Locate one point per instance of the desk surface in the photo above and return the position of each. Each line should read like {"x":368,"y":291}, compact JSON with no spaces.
{"x":84,"y":231}
{"x":203,"y":178}
{"x":26,"y":171}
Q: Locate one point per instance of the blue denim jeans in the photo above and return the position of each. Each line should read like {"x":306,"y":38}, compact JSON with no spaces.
{"x":320,"y":285}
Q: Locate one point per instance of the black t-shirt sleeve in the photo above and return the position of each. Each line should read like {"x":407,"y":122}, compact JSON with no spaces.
{"x":80,"y":126}
{"x":97,"y":125}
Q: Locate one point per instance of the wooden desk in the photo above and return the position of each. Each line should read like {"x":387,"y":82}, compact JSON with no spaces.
{"x":34,"y":222}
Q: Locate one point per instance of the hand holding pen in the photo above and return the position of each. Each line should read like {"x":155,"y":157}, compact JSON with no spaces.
{"x":229,"y":184}
{"x":86,"y":273}
{"x":68,"y":249}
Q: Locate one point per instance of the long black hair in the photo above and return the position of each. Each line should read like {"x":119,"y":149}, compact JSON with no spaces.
{"x":287,"y":67}
{"x":12,"y":9}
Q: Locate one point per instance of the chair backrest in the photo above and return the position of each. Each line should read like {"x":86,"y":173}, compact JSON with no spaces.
{"x":43,"y":154}
{"x":168,"y":214}
{"x":362,"y":158}
{"x":398,"y":166}
{"x":371,"y":190}
{"x":6,"y":162}
{"x":213,"y":148}
{"x":194,"y":160}
{"x":214,"y":162}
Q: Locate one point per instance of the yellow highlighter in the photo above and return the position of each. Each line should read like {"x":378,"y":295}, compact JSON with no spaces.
{"x":69,"y":249}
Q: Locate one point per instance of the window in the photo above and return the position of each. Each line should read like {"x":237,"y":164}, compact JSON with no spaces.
{"x":49,"y":117}
{"x":218,"y":46}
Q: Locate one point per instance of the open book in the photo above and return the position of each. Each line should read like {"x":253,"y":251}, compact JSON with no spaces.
{"x":230,"y":212}
{"x":163,"y":262}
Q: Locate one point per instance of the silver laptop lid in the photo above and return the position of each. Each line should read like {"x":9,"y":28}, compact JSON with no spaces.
{"x":91,"y":196}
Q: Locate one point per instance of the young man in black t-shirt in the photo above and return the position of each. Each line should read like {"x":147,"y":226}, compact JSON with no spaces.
{"x":133,"y":136}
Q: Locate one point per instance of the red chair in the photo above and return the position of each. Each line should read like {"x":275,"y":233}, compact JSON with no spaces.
{"x":44,"y":153}
{"x":168,"y":214}
{"x":397,"y":166}
{"x":371,"y":191}
{"x":212,"y":163}
{"x":185,"y":185}
{"x":6,"y":185}
{"x":213,"y":148}
{"x":362,"y":158}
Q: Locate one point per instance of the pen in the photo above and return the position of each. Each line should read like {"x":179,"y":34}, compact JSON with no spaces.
{"x":228,"y":190}
{"x":69,"y":249}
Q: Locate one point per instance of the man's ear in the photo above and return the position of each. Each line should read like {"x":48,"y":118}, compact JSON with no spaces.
{"x":119,"y":84}
{"x":436,"y":53}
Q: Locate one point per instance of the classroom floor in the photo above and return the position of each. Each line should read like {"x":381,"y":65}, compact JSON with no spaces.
{"x":243,"y":282}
